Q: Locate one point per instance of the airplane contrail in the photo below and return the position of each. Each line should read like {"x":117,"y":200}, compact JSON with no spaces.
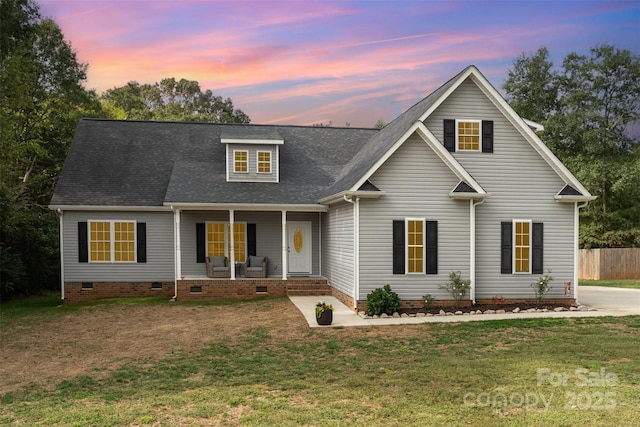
{"x":387,"y":40}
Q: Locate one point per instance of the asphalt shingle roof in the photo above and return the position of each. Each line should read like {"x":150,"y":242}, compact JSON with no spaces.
{"x":131,"y":163}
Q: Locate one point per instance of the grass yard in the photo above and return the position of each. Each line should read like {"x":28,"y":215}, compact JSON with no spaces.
{"x":257,"y":363}
{"x":613,"y":283}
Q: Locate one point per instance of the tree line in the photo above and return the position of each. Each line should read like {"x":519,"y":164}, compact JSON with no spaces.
{"x":587,"y":107}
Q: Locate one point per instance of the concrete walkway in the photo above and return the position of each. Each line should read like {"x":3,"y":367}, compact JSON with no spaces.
{"x":622,"y":300}
{"x":343,"y":316}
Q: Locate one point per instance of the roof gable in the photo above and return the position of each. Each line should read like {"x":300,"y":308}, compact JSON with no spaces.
{"x":379,"y":148}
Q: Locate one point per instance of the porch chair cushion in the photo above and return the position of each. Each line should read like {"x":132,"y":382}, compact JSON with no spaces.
{"x":255,"y":261}
{"x":218,"y":261}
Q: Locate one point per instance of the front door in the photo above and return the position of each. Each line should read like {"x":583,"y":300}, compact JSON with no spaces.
{"x":299,"y":247}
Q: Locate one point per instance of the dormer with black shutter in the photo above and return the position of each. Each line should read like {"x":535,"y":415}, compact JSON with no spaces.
{"x":252,"y":155}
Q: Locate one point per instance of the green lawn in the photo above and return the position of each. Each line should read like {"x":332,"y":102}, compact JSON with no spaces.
{"x":581,"y":371}
{"x":615,"y":283}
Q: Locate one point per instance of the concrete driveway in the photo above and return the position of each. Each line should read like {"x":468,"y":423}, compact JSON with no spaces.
{"x":610,"y":299}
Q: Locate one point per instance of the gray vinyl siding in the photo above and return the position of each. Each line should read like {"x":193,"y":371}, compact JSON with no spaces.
{"x":160,"y":256}
{"x":338,"y":247}
{"x":522,"y":186}
{"x":416,"y":185}
{"x":268,"y":237}
{"x":252,"y":174}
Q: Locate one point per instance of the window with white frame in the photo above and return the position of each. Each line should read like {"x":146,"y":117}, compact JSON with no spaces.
{"x":522,"y":246}
{"x":264,"y":161}
{"x":468,"y":135}
{"x":112,"y":241}
{"x":219,"y":240}
{"x":415,"y":245}
{"x":240,"y":161}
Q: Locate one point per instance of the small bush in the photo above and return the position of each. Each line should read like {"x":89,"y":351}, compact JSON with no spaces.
{"x":542,"y":286}
{"x":457,"y":287}
{"x":382,"y":300}
{"x":427,"y":300}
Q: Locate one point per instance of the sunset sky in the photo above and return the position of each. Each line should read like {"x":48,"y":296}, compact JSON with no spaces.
{"x":304,"y":62}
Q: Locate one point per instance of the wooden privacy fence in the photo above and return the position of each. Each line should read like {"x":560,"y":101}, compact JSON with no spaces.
{"x":609,"y":263}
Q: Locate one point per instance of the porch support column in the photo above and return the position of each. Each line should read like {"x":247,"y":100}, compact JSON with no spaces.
{"x":232,"y":251}
{"x":178,"y":253}
{"x":285,"y":250}
{"x":472,"y":250}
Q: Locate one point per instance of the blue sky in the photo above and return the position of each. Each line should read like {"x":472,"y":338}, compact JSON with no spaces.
{"x":303,"y":62}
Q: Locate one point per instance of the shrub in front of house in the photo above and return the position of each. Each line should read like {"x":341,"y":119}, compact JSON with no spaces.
{"x":382,"y":300}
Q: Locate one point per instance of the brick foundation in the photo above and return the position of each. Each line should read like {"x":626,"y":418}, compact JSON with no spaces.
{"x":89,"y":291}
{"x":205,"y":289}
{"x":546,"y":301}
{"x":223,"y":289}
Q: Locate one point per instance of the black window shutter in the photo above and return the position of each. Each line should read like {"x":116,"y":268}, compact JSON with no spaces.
{"x":537,"y":248}
{"x":432,"y":247}
{"x":398,"y":246}
{"x":506,"y":252}
{"x":487,"y":136}
{"x":450,"y":134}
{"x":201,"y":242}
{"x":141,"y":235}
{"x":251,"y":239}
{"x":83,"y":242}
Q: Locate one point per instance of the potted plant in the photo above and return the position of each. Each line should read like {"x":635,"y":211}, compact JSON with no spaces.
{"x":324,"y":313}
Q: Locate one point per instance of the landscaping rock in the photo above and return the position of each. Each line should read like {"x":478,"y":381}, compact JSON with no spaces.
{"x":442,"y":313}
{"x":458,"y":313}
{"x":516,"y":310}
{"x":500,"y":312}
{"x":420,"y":314}
{"x":396,"y":315}
{"x":572,"y":308}
{"x":384,"y":316}
{"x":490,"y":312}
{"x":531,"y":310}
{"x":402,"y":315}
{"x":559,"y":309}
{"x":583,"y":308}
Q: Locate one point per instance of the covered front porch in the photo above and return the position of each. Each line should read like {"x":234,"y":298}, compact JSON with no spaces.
{"x":288,"y":237}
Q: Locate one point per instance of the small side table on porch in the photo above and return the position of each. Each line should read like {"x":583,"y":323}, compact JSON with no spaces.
{"x":240,"y":269}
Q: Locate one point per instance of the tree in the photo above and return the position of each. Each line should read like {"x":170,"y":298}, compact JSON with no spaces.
{"x":532,"y":87}
{"x":170,"y":100}
{"x":590,"y":127}
{"x":41,"y":99}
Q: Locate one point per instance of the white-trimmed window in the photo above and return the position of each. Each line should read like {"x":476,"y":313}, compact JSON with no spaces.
{"x":468,"y":135}
{"x":522,"y":246}
{"x":240,"y":161}
{"x":264,"y":161}
{"x":415,"y":241}
{"x":219,"y":240}
{"x":112,"y":241}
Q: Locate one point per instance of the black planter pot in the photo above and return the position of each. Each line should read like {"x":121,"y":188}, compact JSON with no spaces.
{"x":325,"y":318}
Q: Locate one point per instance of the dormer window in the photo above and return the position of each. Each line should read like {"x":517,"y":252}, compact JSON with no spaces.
{"x":253,"y":153}
{"x":240,"y":161}
{"x":264,"y":161}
